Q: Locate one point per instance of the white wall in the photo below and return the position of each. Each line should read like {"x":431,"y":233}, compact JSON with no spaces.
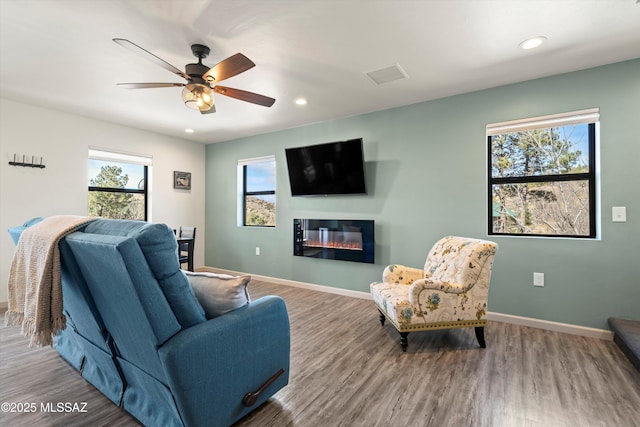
{"x":63,"y":141}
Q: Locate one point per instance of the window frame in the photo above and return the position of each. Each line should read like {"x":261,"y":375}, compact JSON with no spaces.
{"x":589,"y":117}
{"x":118,"y":157}
{"x":243,"y":193}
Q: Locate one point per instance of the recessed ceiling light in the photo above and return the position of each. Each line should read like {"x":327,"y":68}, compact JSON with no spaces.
{"x":301,"y":101}
{"x":532,"y":42}
{"x":189,"y":131}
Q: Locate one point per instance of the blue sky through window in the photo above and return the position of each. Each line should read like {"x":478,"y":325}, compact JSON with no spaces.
{"x":262,"y":177}
{"x":578,"y":135}
{"x":134,"y":172}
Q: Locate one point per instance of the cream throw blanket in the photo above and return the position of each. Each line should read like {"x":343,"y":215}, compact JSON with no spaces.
{"x":35,"y":280}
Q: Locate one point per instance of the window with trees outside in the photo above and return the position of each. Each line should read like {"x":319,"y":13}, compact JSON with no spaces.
{"x":257,"y":192}
{"x":118,"y":185}
{"x":542,"y":176}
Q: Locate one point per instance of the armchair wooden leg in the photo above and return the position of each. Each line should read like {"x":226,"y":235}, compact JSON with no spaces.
{"x":382,"y":318}
{"x":404,"y":341}
{"x":480,"y":336}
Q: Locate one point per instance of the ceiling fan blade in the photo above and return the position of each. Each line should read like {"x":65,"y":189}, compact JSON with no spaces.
{"x":243,"y":95}
{"x":229,"y":67}
{"x":148,"y":85}
{"x":151,"y":57}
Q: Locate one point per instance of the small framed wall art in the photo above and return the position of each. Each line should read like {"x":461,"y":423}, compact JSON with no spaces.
{"x":182,"y":180}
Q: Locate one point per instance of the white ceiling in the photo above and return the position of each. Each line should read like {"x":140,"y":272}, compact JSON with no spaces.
{"x":59,"y":54}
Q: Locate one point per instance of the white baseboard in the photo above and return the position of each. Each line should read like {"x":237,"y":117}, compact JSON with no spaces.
{"x":567,"y":328}
{"x":314,"y":287}
{"x":296,"y":284}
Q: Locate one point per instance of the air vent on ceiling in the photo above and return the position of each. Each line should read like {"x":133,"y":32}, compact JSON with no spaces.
{"x":387,"y":74}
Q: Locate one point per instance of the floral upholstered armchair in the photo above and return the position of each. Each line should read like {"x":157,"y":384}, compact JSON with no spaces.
{"x":450,"y":292}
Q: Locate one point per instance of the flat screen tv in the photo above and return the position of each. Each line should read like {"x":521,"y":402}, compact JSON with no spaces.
{"x":326,"y":169}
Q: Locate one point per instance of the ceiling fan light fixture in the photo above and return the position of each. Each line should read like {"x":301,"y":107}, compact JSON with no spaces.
{"x":197,"y":97}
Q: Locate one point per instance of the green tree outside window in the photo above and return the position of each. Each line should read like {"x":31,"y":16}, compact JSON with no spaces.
{"x":542,"y":181}
{"x":111,"y":195}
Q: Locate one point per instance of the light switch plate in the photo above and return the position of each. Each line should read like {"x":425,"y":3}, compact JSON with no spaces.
{"x":619,"y":214}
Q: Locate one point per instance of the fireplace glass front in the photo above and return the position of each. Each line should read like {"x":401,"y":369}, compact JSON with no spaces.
{"x":346,"y":240}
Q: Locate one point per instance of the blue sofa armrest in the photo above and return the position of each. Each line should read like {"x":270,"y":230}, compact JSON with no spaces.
{"x":212,"y":365}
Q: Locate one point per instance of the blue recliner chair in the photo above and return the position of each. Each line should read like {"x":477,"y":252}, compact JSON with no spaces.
{"x":137,"y":333}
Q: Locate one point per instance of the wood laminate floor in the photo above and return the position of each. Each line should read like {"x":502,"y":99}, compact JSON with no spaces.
{"x":347,"y":370}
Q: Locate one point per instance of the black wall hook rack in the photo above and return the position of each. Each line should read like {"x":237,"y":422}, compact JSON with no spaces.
{"x":26,"y":164}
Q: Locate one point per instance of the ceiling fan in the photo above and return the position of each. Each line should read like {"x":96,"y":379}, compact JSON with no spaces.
{"x":198,"y":90}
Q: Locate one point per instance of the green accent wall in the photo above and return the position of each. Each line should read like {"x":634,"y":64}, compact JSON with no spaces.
{"x":426,"y":176}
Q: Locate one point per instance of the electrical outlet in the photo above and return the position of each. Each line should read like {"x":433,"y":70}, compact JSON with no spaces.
{"x":538,"y":279}
{"x":257,"y":250}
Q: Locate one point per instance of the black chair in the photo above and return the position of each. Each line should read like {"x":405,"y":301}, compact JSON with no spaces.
{"x":186,"y":242}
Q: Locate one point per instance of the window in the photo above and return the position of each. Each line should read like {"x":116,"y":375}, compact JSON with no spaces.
{"x":257,"y":192}
{"x":542,"y":176}
{"x":118,"y":186}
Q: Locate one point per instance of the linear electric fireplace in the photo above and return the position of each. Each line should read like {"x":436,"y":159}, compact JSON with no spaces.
{"x":346,"y":240}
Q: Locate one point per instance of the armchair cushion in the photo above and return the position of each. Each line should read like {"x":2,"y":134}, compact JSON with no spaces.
{"x":219,"y":293}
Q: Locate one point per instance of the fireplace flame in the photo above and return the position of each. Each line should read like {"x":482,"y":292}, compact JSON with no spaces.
{"x":353,"y":246}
